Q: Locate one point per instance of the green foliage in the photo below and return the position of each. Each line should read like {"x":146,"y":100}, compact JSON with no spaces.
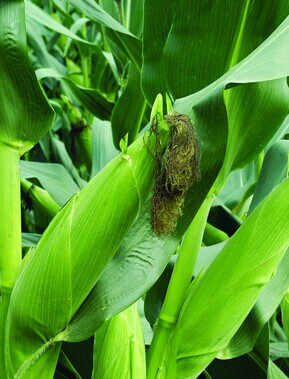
{"x":182,"y":202}
{"x":20,"y":90}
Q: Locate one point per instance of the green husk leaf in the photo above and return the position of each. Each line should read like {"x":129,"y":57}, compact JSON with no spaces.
{"x":72,"y":253}
{"x":119,"y":350}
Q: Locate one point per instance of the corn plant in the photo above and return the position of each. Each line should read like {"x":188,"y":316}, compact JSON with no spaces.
{"x":144,"y":189}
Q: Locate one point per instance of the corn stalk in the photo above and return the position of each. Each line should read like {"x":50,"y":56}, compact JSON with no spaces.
{"x":10,"y":233}
{"x":25,"y":116}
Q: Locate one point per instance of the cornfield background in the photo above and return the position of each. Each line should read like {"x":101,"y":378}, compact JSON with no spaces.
{"x":92,"y":102}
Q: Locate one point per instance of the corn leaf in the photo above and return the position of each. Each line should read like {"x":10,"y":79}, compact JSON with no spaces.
{"x":19,"y":87}
{"x":36,"y":34}
{"x":186,"y":44}
{"x":53,"y":177}
{"x":38,"y":15}
{"x":228,"y":290}
{"x":61,"y":156}
{"x":183,"y":42}
{"x":30,"y":239}
{"x":274,"y":170}
{"x":267,"y":303}
{"x":260,"y":65}
{"x":92,"y":99}
{"x":129,"y":110}
{"x":130,"y":44}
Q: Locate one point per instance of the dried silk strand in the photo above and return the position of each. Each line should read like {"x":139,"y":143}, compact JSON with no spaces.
{"x":178,"y":167}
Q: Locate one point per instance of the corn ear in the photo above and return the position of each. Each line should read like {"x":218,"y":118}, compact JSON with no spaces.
{"x":119,"y":348}
{"x":41,"y":198}
{"x":72,"y":253}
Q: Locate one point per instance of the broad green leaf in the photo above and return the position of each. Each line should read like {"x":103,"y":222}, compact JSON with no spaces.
{"x":114,"y":10}
{"x":187,"y":55}
{"x":96,"y":13}
{"x":262,"y":348}
{"x":130,"y":44}
{"x":53,"y":177}
{"x":281,"y":133}
{"x":206,"y":256}
{"x":239,"y":183}
{"x":227,"y":288}
{"x":119,"y":350}
{"x":267,"y":303}
{"x":279,"y":350}
{"x":38,"y":15}
{"x":43,"y":363}
{"x":146,"y":327}
{"x":267,"y":62}
{"x":20,"y":89}
{"x":61,"y":156}
{"x":274,"y":372}
{"x":274,"y":170}
{"x":245,"y":136}
{"x":129,"y":109}
{"x":36,"y":37}
{"x":30,"y":239}
{"x":158,"y":17}
{"x":92,"y":99}
{"x":242,"y":102}
{"x":128,"y":13}
{"x":199,"y":52}
{"x":154,"y":298}
{"x":134,"y":16}
{"x":247,"y":125}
